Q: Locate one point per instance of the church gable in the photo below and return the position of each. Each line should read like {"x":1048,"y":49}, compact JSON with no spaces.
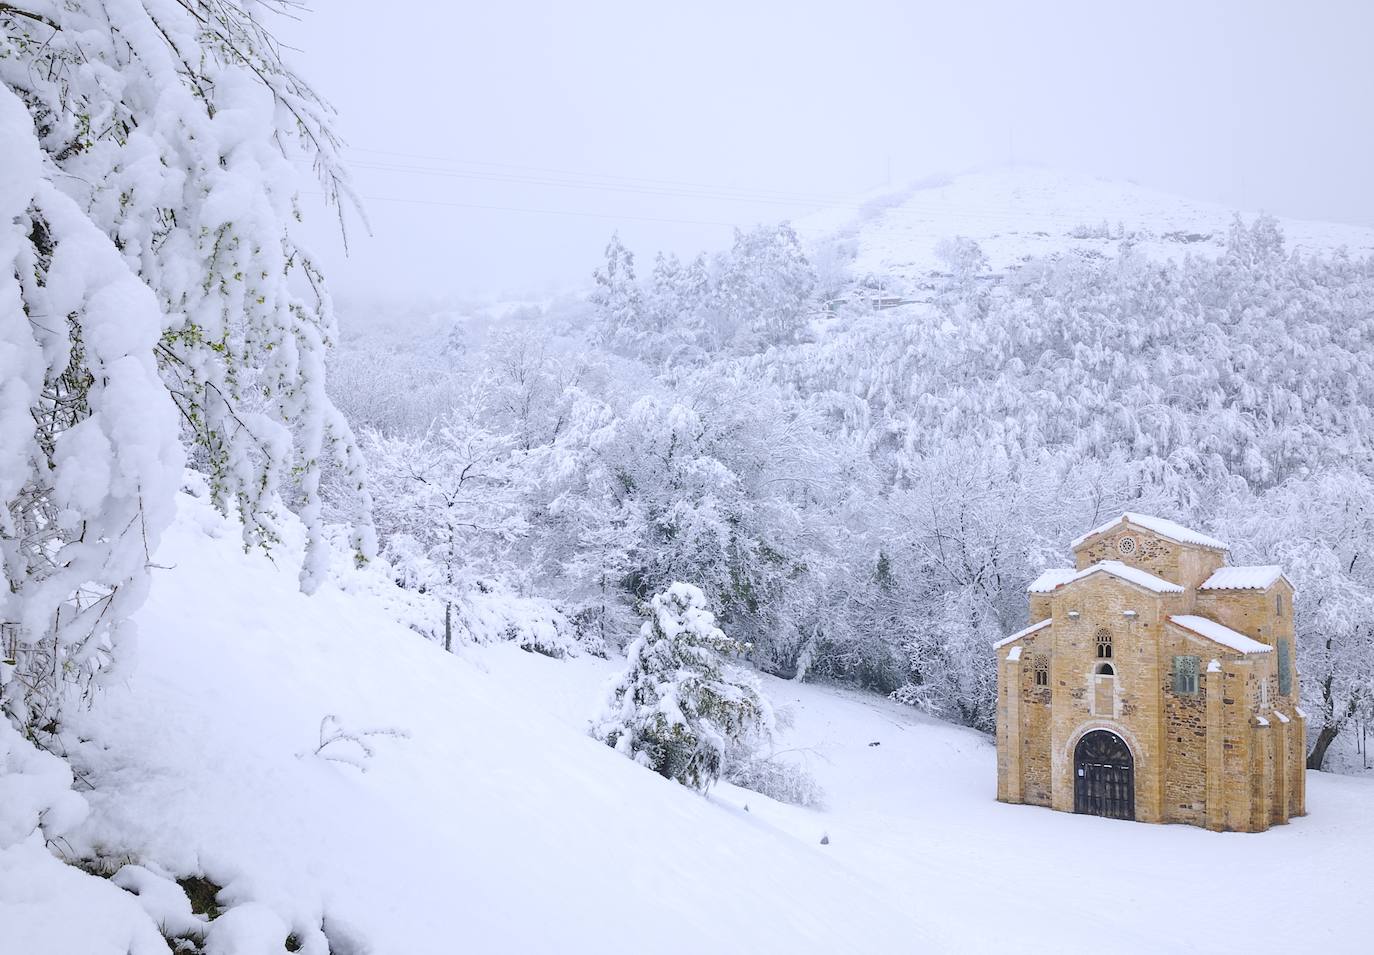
{"x":1121,"y":571}
{"x":1158,"y":526}
{"x":1162,"y":547}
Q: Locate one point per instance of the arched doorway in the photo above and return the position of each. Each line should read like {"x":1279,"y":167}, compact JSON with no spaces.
{"x":1103,"y":776}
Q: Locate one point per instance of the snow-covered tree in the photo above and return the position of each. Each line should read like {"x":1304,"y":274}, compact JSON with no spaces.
{"x":148,"y":215}
{"x":89,"y":456}
{"x":447,"y":506}
{"x":617,"y":299}
{"x":680,"y":705}
{"x":1320,"y":530}
{"x":764,"y":289}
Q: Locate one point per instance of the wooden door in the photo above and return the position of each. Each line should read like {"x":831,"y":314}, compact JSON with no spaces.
{"x":1104,"y":776}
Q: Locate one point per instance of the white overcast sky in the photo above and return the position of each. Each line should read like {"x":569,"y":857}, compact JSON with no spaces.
{"x":498,"y":144}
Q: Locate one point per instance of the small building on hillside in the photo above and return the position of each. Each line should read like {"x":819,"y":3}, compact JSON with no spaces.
{"x":1155,"y":683}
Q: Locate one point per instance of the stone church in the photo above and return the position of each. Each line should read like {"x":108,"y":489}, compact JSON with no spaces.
{"x":1155,"y":683}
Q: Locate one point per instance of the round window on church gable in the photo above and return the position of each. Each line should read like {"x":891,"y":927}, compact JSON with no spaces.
{"x":1127,"y":546}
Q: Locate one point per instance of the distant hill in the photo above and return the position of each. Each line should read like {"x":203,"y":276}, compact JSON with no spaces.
{"x":1022,"y":213}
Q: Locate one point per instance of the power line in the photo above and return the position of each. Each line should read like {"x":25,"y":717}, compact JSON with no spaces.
{"x":610,"y":177}
{"x":550,"y":212}
{"x":909,"y":209}
{"x":720,"y":196}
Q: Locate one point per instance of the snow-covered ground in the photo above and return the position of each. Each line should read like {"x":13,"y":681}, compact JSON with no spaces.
{"x":1023,"y":212}
{"x":486,"y":819}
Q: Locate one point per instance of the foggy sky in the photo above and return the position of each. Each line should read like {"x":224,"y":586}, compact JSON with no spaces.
{"x":565,"y":121}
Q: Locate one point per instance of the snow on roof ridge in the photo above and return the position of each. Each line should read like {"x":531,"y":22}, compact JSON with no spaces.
{"x":1133,"y":574}
{"x":1022,"y":633}
{"x":1161,"y":526}
{"x":1116,"y":568}
{"x":1219,"y":633}
{"x":1051,"y":578}
{"x":1257,"y":577}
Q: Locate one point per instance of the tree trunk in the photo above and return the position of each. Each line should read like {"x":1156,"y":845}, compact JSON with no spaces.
{"x":448,"y":626}
{"x":1324,"y":741}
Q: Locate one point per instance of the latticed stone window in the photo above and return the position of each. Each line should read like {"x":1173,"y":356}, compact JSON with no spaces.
{"x":1185,"y":675}
{"x":1285,"y":668}
{"x":1104,"y":645}
{"x":1042,"y":671}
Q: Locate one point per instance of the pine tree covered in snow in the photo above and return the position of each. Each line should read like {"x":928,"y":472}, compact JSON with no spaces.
{"x":680,"y":706}
{"x":618,"y":301}
{"x":765,"y":287}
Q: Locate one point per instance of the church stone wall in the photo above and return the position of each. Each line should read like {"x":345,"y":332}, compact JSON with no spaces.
{"x":1035,"y":718}
{"x":1237,"y":730}
{"x":1185,"y":733}
{"x":1248,"y":611}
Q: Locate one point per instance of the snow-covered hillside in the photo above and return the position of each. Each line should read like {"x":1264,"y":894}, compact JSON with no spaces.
{"x":1023,"y":212}
{"x":486,"y":819}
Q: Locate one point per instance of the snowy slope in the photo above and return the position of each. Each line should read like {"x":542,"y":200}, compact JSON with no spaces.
{"x":916,"y":813}
{"x":495,"y":825}
{"x":1022,"y":212}
{"x":492,"y":826}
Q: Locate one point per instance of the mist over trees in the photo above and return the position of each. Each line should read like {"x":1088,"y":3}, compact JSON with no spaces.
{"x":863,"y":495}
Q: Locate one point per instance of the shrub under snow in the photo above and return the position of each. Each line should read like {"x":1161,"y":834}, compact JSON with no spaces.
{"x":680,"y":706}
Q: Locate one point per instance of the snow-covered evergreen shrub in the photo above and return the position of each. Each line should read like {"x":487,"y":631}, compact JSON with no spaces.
{"x":548,"y":633}
{"x":680,"y":706}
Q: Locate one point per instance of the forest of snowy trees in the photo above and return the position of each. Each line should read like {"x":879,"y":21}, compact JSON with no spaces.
{"x":860,"y":495}
{"x":863,"y":495}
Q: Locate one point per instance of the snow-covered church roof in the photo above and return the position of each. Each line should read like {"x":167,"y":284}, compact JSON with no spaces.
{"x":1050,"y":579}
{"x":1058,"y":577}
{"x":1161,"y":526}
{"x":1219,"y":633}
{"x":1259,"y":577}
{"x":1022,"y":633}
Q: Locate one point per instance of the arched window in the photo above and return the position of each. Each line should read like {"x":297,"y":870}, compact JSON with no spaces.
{"x":1185,"y":675}
{"x":1104,"y":645}
{"x":1105,"y":669}
{"x":1042,"y":671}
